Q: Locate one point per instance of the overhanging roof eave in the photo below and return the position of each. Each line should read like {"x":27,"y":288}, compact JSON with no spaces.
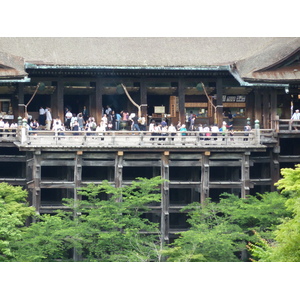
{"x":112,"y":67}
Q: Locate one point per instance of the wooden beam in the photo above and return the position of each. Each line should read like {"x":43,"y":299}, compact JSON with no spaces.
{"x":181,"y":97}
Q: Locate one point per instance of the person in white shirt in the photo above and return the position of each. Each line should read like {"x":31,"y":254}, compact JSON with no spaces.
{"x":295,"y":117}
{"x":68,"y":117}
{"x":42,"y":116}
{"x":48,"y":118}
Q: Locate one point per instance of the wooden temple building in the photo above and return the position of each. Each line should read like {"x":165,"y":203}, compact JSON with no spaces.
{"x":257,"y":79}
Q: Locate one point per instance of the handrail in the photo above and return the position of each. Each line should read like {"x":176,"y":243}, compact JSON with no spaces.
{"x":287,"y":124}
{"x":132,"y":139}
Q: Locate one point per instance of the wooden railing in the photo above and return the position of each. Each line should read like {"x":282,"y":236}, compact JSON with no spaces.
{"x":138,"y":139}
{"x":8,"y":135}
{"x":283,"y":125}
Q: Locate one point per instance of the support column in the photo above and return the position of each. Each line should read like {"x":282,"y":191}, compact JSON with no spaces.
{"x":36,"y":176}
{"x":119,"y":169}
{"x":77,"y":184}
{"x":181,"y":98}
{"x":165,"y":199}
{"x":273,"y":109}
{"x":245,"y":174}
{"x":21,"y":109}
{"x":57,"y":101}
{"x":143,"y":95}
{"x":257,"y":106}
{"x":219,"y":106}
{"x":98,"y":100}
{"x":266,"y":109}
{"x":274,"y":167}
{"x":205,"y":177}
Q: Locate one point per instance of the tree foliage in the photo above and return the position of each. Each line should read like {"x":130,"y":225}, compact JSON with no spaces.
{"x":220,"y":231}
{"x":107,"y":224}
{"x":14,"y":211}
{"x":286,"y":244}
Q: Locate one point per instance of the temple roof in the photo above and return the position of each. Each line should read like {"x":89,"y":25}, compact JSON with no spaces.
{"x":245,"y":55}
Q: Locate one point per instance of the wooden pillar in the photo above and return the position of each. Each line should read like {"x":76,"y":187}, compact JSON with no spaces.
{"x":181,"y":98}
{"x":98,"y":100}
{"x":77,"y":197}
{"x":21,"y":109}
{"x":266,"y":109}
{"x":257,"y":106}
{"x":57,"y":101}
{"x":219,"y":106}
{"x":165,"y":197}
{"x":119,"y":169}
{"x":245,"y":174}
{"x":273,"y":101}
{"x":143,"y":95}
{"x":274,"y":166}
{"x":36,"y":176}
{"x":204,"y":177}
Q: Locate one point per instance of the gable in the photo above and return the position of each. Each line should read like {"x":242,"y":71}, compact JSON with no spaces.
{"x":11,"y":67}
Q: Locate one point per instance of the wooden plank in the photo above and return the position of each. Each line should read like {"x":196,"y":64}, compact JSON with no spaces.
{"x":141,"y":163}
{"x":185,"y":163}
{"x":98,"y":163}
{"x":58,"y":163}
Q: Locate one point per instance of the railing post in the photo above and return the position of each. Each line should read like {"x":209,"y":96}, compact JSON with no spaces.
{"x":257,"y":132}
{"x":23,"y":135}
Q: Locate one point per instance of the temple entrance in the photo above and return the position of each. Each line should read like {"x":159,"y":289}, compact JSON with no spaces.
{"x":116,"y":102}
{"x":75,"y":103}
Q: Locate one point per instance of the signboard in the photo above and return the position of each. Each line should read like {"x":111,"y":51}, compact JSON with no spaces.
{"x":159,"y":109}
{"x":234,"y":99}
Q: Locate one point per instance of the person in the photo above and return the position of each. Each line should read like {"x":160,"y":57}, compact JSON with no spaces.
{"x":75,"y":127}
{"x":230,"y":119}
{"x":214,"y":130}
{"x":73,"y":119}
{"x":178,"y":126}
{"x":57,"y":125}
{"x":108,"y":110}
{"x":80,"y":121}
{"x":112,"y":120}
{"x":104,"y":119}
{"x":118,"y":119}
{"x":42,"y":116}
{"x":13,"y":127}
{"x":295,"y":117}
{"x":34,"y":124}
{"x":172,"y":129}
{"x":68,"y":117}
{"x":101,"y":127}
{"x":247,"y":128}
{"x":183,"y":130}
{"x":124,"y":115}
{"x":85,"y":114}
{"x":163,"y":123}
{"x":48,"y":118}
{"x":142,"y":123}
{"x":6,"y":127}
{"x":192,"y":122}
{"x":135,"y":124}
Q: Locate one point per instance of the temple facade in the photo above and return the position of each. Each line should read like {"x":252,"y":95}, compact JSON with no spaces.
{"x":240,"y":81}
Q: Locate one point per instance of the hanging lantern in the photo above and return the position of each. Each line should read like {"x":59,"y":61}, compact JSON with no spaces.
{"x":120,"y":89}
{"x":41,"y":86}
{"x":199,"y":87}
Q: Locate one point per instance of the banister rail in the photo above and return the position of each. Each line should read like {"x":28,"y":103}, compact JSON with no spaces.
{"x":287,"y":125}
{"x":140,"y":139}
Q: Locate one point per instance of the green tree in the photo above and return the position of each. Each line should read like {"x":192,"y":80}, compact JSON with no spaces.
{"x":14,"y":211}
{"x":113,"y":228}
{"x":286,"y":244}
{"x":220,"y":231}
{"x":49,"y":239}
{"x":107,"y":224}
